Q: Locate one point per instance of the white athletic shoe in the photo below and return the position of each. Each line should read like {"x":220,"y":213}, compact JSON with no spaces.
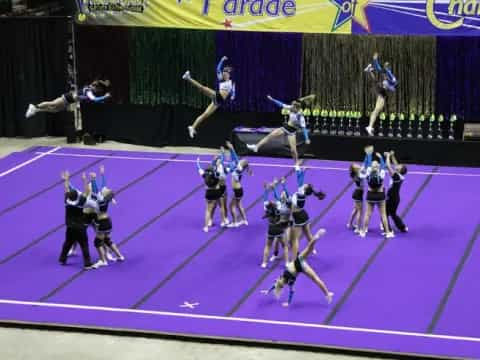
{"x":110,"y":257}
{"x":329,"y":297}
{"x":362,"y":233}
{"x":121,"y":258}
{"x":99,"y":263}
{"x":369,"y":130}
{"x":273,"y":258}
{"x":406,"y":229}
{"x":186,"y":76}
{"x":390,"y":235}
{"x":263,"y":266}
{"x":233,"y":225}
{"x":252,"y":147}
{"x":369,"y":68}
{"x":210,"y":223}
{"x":319,"y":233}
{"x":30,"y":111}
{"x":205,"y":229}
{"x":191,"y":132}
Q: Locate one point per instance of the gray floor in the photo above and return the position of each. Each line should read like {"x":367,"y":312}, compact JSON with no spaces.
{"x":16,"y":344}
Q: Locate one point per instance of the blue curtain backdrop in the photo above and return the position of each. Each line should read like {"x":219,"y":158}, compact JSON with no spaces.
{"x":458,"y":77}
{"x":264,"y":63}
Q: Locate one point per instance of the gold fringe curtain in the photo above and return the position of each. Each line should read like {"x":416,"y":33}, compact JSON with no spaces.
{"x":332,"y":68}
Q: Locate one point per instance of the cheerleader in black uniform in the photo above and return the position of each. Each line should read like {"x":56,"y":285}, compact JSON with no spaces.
{"x":103,"y":223}
{"x":212,"y":192}
{"x":397,"y":176}
{"x":376,"y":194}
{"x":237,"y":168}
{"x":276,"y":229}
{"x":357,"y":174}
{"x":293,"y":269}
{"x":301,"y":220}
{"x":285,"y":208}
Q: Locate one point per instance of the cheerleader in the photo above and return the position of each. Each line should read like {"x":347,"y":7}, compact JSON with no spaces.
{"x":276,"y":228}
{"x":236,"y":168}
{"x":76,"y":231}
{"x":226,"y":92}
{"x":357,"y":174}
{"x":295,"y":268}
{"x":376,"y":195}
{"x":397,"y":176}
{"x":96,"y":92}
{"x":103,"y":222}
{"x":295,"y":120}
{"x":385,"y":82}
{"x":301,"y":220}
{"x":212,"y":193}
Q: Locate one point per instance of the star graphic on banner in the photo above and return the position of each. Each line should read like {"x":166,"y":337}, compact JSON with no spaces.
{"x":344,"y":12}
{"x":359,"y":14}
{"x":227,"y":23}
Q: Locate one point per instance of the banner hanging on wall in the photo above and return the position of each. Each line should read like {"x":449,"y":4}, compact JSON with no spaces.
{"x":402,"y":17}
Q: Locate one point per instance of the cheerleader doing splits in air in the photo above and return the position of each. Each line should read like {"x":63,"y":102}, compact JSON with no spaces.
{"x":295,"y":268}
{"x":295,"y":120}
{"x":225,"y":93}
{"x":385,"y":82}
{"x":96,"y":92}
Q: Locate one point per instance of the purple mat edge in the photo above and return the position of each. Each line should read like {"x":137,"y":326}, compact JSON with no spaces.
{"x":280,"y":334}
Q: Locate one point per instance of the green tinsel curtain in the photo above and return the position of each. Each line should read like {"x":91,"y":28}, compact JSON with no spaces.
{"x":333,"y":69}
{"x":159,"y":57}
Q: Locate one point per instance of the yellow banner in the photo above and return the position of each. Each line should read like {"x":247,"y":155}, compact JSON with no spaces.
{"x":306,"y":16}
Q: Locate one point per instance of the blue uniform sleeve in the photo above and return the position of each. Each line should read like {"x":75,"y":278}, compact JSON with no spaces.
{"x":376,"y":65}
{"x":71,"y":187}
{"x":367,"y":162}
{"x":300,"y":176}
{"x":284,"y":187}
{"x":275,"y":193}
{"x":93,"y":182}
{"x":265,"y":195}
{"x":234,"y":157}
{"x":233,"y":93}
{"x":199,"y":168}
{"x":305,"y":133}
{"x":290,"y":295}
{"x":383,"y":166}
{"x":104,"y":182}
{"x":220,"y":68}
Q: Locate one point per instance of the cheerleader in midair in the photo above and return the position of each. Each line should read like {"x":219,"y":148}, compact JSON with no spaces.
{"x":96,"y":92}
{"x":385,"y":82}
{"x":295,"y":120}
{"x":295,"y":268}
{"x":224,"y":94}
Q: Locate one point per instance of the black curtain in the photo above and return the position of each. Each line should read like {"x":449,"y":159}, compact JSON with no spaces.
{"x":458,"y":71}
{"x":103,"y":52}
{"x":33,"y":68}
